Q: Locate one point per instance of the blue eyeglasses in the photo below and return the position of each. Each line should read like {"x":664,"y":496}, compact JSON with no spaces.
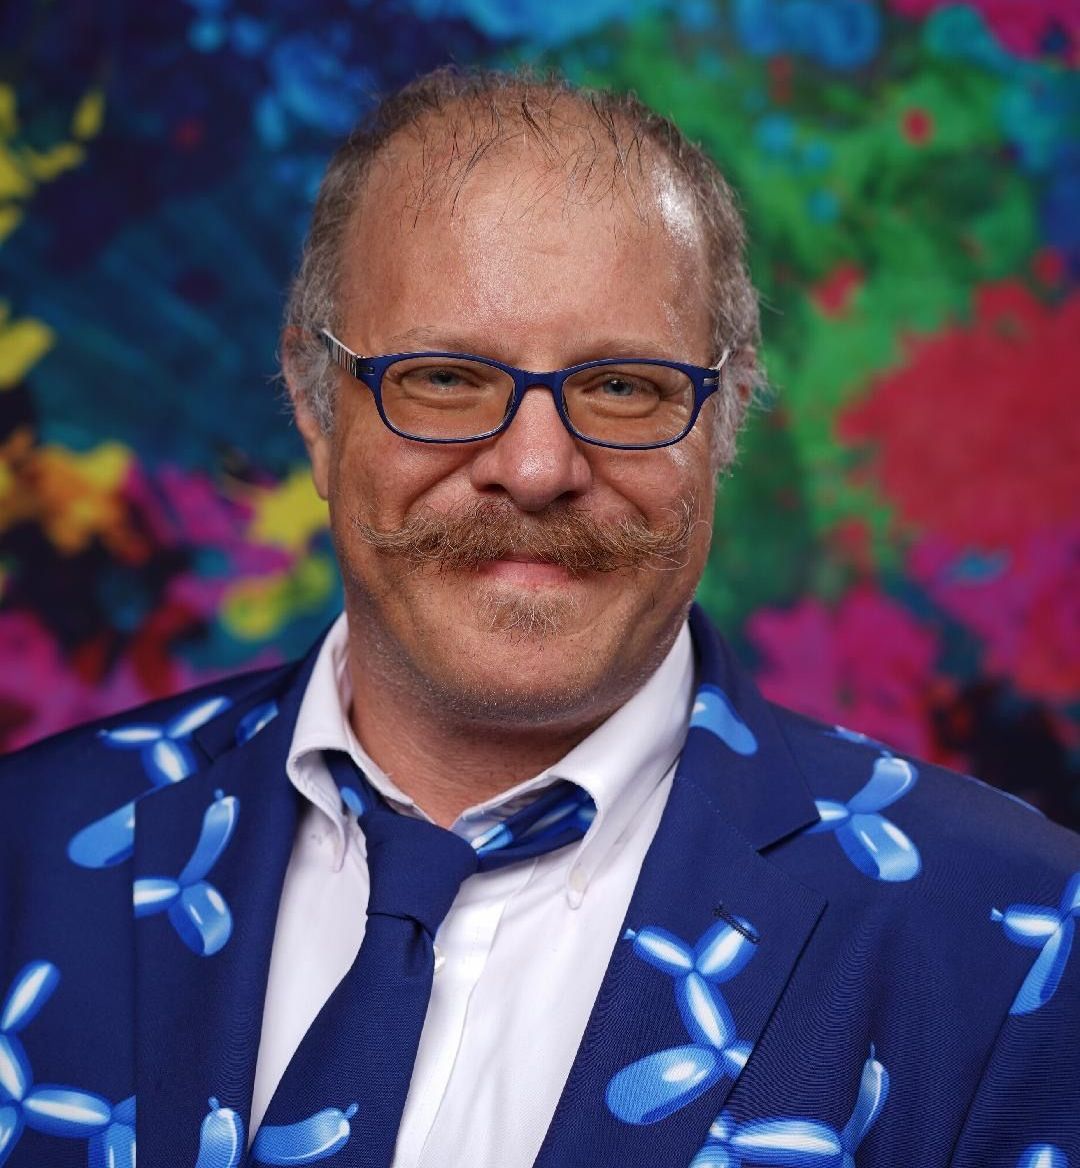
{"x":629,"y":404}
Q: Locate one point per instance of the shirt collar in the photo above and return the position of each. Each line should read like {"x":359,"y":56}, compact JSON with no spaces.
{"x":619,"y":764}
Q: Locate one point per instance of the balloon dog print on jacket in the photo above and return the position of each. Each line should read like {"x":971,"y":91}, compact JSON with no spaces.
{"x":659,"y":1084}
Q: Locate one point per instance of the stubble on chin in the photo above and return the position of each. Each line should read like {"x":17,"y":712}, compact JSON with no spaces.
{"x":522,"y":616}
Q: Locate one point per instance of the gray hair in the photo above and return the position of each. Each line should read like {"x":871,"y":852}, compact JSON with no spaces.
{"x":474,"y":105}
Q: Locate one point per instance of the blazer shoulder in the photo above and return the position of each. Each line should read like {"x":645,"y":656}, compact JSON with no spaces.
{"x":932,"y":872}
{"x":955,"y":822}
{"x":57,"y":766}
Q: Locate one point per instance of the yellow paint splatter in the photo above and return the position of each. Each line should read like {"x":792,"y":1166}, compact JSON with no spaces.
{"x":23,"y":168}
{"x":22,"y":344}
{"x":289,"y":514}
{"x":14,"y":182}
{"x":74,"y":498}
{"x":89,"y":115}
{"x":46,"y":165}
{"x":10,"y":218}
{"x":9,"y":119}
{"x":257,"y":608}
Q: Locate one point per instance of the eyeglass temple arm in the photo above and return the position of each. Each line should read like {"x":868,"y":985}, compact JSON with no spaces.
{"x":723,"y":359}
{"x":340,"y":354}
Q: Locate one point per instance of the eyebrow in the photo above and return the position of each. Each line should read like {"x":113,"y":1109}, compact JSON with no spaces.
{"x":430,"y":338}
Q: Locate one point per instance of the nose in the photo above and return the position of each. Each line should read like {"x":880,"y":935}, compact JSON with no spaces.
{"x":535,"y":460}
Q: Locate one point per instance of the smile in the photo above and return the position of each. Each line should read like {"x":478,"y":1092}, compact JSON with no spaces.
{"x":525,"y":571}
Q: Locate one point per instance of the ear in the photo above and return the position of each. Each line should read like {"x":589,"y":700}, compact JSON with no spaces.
{"x":316,"y":439}
{"x":747,"y":379}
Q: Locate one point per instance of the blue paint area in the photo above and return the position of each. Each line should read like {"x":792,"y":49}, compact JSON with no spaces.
{"x":545,"y":22}
{"x":839,"y":34}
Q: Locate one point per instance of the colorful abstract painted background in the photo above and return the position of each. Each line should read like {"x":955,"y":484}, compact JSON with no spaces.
{"x":899,"y":550}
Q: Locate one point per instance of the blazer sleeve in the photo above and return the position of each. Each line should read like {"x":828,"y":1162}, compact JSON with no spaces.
{"x":1026,"y":1110}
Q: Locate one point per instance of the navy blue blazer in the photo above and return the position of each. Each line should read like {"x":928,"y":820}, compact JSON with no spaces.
{"x":833,"y":956}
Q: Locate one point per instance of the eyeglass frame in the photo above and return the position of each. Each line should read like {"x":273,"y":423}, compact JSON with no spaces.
{"x":706,"y":381}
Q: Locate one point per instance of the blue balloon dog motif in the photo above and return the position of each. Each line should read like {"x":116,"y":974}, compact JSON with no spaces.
{"x":875,"y":845}
{"x":167,"y":758}
{"x":256,"y":719}
{"x":196,"y":909}
{"x":846,"y":735}
{"x":1047,"y":929}
{"x":715,"y":713}
{"x":797,"y":1143}
{"x":115,"y":1146}
{"x":659,"y":1084}
{"x":164,"y":747}
{"x":221,"y":1138}
{"x":1042,"y":1156}
{"x":50,"y":1109}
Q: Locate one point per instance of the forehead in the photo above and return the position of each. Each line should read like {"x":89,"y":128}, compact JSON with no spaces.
{"x":509,"y":230}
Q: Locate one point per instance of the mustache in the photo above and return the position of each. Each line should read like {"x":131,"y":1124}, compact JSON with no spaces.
{"x":568,"y":536}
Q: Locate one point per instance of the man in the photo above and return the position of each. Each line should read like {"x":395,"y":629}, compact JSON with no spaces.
{"x":756,"y":940}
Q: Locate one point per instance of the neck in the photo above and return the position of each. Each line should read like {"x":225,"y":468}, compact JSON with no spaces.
{"x":446,"y":765}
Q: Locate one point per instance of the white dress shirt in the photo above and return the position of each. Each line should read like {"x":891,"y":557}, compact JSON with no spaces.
{"x":521,"y":954}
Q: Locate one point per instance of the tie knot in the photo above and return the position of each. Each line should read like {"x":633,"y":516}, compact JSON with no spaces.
{"x":415,"y":867}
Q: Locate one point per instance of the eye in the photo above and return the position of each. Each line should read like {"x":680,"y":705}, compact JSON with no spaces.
{"x":620,"y":387}
{"x":439,"y":378}
{"x":442,"y":378}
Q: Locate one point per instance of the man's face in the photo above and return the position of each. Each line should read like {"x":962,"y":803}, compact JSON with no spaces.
{"x":522,"y":269}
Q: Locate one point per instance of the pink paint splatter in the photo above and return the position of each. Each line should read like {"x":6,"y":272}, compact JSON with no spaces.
{"x":866,"y":663}
{"x":1024,"y":27}
{"x":1023,"y":605}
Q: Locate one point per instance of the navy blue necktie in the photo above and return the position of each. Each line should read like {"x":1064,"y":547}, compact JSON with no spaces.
{"x":359,"y":1053}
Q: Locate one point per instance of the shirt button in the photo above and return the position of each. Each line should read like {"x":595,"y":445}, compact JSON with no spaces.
{"x":440,"y":958}
{"x":577,"y":883}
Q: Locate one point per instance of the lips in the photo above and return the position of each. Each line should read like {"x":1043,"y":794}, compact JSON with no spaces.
{"x":525,"y":571}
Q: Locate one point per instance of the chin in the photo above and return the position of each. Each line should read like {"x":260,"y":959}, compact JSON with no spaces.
{"x":521,"y":665}
{"x":521,"y":616}
{"x":491,"y":700}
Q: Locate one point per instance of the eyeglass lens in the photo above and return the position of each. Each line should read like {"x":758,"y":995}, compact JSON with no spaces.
{"x":626,"y":404}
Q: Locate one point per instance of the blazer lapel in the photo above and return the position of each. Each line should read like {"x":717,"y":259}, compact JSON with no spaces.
{"x":711,"y":937}
{"x":209,"y":862}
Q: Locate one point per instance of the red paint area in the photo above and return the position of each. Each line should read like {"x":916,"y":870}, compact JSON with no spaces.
{"x":976,"y":436}
{"x":1024,"y":606}
{"x":917,"y":126}
{"x":1048,"y":267}
{"x":834,"y":294}
{"x":781,"y":72}
{"x":188,"y":134}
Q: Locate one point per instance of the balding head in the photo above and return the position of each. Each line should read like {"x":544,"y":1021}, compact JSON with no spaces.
{"x":424,"y":144}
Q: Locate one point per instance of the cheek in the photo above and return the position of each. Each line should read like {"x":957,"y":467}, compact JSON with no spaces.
{"x":381,"y":477}
{"x":664,"y":479}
